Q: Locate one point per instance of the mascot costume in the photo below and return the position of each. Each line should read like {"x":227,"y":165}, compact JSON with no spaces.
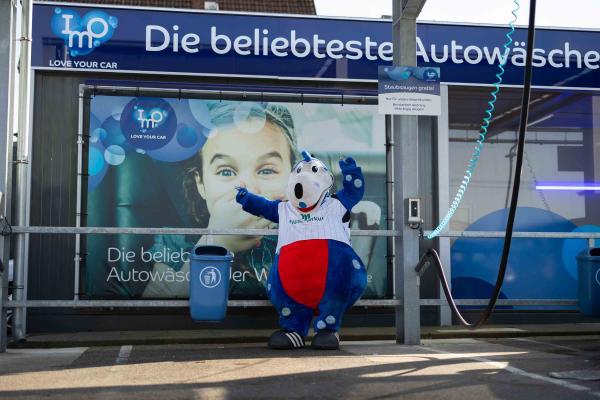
{"x":316,"y":272}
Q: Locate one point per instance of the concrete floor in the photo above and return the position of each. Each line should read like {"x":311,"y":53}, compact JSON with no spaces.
{"x":438,"y":369}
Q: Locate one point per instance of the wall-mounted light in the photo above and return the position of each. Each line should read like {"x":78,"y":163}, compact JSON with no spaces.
{"x":578,"y":187}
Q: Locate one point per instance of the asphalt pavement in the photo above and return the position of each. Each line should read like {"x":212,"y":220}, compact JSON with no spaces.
{"x":506,"y":368}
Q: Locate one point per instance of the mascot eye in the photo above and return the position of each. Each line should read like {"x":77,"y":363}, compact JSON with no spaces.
{"x":298,"y":170}
{"x":315,"y":169}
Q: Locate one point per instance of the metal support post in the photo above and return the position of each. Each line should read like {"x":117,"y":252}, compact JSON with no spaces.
{"x":22,"y":170}
{"x":443,"y":187}
{"x":405,"y":131}
{"x":7,"y":91}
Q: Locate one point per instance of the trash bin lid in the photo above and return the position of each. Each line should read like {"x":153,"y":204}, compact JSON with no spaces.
{"x":590,"y":254}
{"x":211,"y":252}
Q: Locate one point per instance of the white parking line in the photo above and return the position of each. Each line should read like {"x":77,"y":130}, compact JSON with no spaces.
{"x":124,"y":354}
{"x":518,"y":371}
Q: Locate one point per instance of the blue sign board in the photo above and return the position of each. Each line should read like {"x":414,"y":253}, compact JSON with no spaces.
{"x":94,"y":38}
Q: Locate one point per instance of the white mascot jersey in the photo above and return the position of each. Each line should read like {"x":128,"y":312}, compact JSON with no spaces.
{"x":324,"y":223}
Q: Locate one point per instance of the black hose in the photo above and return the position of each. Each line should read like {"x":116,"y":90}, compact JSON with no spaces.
{"x":511,"y":154}
{"x":431,"y":254}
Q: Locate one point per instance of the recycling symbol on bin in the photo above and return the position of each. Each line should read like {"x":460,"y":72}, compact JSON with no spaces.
{"x":210,"y":277}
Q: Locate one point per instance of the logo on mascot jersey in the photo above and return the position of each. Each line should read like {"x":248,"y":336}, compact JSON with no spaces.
{"x":82,"y":34}
{"x":210,"y":277}
{"x":305,"y":218}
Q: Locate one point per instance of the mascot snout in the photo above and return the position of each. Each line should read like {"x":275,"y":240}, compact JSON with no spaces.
{"x":308,"y":183}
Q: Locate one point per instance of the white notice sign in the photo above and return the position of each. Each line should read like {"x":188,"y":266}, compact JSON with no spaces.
{"x":409,"y":91}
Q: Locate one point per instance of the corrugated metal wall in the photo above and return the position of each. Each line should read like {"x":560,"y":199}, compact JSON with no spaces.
{"x":53,"y":185}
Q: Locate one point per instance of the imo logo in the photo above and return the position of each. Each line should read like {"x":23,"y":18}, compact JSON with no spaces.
{"x":148,"y":123}
{"x":150,"y":119}
{"x":210,"y":277}
{"x":82,"y":34}
{"x":430,"y":75}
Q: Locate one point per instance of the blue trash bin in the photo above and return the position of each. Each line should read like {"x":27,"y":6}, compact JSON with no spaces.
{"x":588,"y":282}
{"x":209,"y":282}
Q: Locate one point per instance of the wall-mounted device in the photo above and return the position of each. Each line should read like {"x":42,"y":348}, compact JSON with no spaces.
{"x":413,"y":212}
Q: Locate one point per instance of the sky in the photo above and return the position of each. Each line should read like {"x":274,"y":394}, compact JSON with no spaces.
{"x":578,"y":14}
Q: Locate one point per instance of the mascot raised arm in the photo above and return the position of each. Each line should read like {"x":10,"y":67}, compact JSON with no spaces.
{"x":316,"y":272}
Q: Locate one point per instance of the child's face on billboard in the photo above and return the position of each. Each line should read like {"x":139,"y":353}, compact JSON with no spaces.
{"x":260,"y":161}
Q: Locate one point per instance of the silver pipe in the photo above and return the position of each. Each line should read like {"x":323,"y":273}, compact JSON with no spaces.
{"x":529,"y":141}
{"x":443,"y":196}
{"x":22,"y":173}
{"x":504,"y":302}
{"x":60,"y":230}
{"x":79,"y":195}
{"x":266,"y":303}
{"x":10,"y":30}
{"x":168,"y":231}
{"x":389,"y":185}
{"x":231,"y":94}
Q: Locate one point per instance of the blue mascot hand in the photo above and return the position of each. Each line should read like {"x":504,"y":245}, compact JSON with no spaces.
{"x":347,"y":164}
{"x":349,"y":167}
{"x":241,"y":197}
{"x":353,"y":183}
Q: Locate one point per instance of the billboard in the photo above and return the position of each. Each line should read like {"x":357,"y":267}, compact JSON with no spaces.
{"x":169,"y":162}
{"x":190,"y":42}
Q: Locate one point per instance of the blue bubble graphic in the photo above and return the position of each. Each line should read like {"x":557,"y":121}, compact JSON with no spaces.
{"x":114,"y":155}
{"x":535,"y":266}
{"x":113,"y":134}
{"x":399,"y":73}
{"x":184,"y":145}
{"x":247,"y":119}
{"x":200,"y":112}
{"x":94,"y":122}
{"x":97,"y":166}
{"x":97,"y":134}
{"x":96,"y":161}
{"x":187,"y":137}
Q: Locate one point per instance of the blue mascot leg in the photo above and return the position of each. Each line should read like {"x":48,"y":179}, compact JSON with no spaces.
{"x":359,"y":281}
{"x":293,"y":316}
{"x":346,"y":281}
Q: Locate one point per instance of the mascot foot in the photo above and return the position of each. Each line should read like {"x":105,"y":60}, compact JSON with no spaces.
{"x":282,"y":340}
{"x":326,"y":340}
